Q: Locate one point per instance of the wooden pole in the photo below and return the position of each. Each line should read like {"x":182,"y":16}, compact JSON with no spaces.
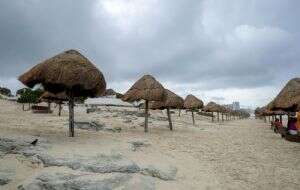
{"x":193,"y":117}
{"x":280,"y":118}
{"x":212,"y":118}
{"x":169,"y":118}
{"x":49,"y":106}
{"x":146,"y":116}
{"x":59,"y":109}
{"x":218,"y":116}
{"x":71,"y":116}
{"x":179,"y":112}
{"x":222,"y":117}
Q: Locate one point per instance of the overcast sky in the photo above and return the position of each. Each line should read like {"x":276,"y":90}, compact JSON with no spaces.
{"x":233,"y":50}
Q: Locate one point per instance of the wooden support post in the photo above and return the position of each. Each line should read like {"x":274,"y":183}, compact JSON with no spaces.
{"x":71,"y":116}
{"x":222,"y":117}
{"x":212,"y":118}
{"x":49,"y":106}
{"x":280,"y":118}
{"x":193,"y":117}
{"x":169,"y":118}
{"x":179,"y":112}
{"x":146,"y":116}
{"x":59,"y":109}
{"x":218,"y":116}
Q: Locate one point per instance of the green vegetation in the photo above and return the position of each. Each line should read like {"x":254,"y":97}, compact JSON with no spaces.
{"x":30,"y":96}
{"x":5,"y":91}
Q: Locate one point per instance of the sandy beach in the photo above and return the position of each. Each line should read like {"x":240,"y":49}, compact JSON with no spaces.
{"x":239,"y":154}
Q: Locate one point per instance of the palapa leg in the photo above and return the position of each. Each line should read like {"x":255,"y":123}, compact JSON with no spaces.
{"x":193,"y":117}
{"x":146,"y":116}
{"x":222,"y":117}
{"x":59,"y":109}
{"x":212,"y":118}
{"x":49,"y":106}
{"x":71,"y":116}
{"x":218,"y":116}
{"x":170,"y":120}
{"x":179,"y":112}
{"x":280,"y":118}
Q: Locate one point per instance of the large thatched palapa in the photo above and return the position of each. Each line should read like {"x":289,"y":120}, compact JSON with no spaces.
{"x":68,"y":72}
{"x":146,"y":88}
{"x":192,"y":103}
{"x":289,"y":97}
{"x":170,"y":100}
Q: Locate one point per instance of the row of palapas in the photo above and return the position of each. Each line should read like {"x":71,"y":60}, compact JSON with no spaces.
{"x":287,"y":102}
{"x":72,"y":75}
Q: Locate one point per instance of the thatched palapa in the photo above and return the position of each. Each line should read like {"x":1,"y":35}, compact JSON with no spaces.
{"x":212,"y":107}
{"x":68,"y":72}
{"x":289,"y":97}
{"x":170,"y":100}
{"x":146,"y":88}
{"x":192,"y":102}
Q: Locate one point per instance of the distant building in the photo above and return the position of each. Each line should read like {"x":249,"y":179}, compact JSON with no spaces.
{"x":233,"y":106}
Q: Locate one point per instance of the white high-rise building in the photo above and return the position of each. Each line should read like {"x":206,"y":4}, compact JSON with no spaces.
{"x":235,"y":105}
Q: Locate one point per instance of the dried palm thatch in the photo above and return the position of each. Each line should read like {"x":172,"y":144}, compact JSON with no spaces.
{"x":170,"y":100}
{"x":68,"y":72}
{"x":146,"y":88}
{"x":289,"y":97}
{"x":212,"y":107}
{"x":192,"y":102}
{"x":258,"y":111}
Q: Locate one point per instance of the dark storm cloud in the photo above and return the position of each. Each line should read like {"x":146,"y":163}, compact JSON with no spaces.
{"x":208,"y":44}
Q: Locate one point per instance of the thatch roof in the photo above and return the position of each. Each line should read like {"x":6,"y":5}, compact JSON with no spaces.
{"x":48,"y":96}
{"x":289,"y":97}
{"x":213,"y":107}
{"x":170,"y":100}
{"x":268,"y":110}
{"x":146,"y":88}
{"x":192,"y":102}
{"x":68,"y":72}
{"x":258,"y":111}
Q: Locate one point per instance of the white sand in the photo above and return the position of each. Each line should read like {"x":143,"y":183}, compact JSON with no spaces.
{"x":233,"y":155}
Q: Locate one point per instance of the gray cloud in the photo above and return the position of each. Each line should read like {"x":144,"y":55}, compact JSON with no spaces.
{"x":206,"y":45}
